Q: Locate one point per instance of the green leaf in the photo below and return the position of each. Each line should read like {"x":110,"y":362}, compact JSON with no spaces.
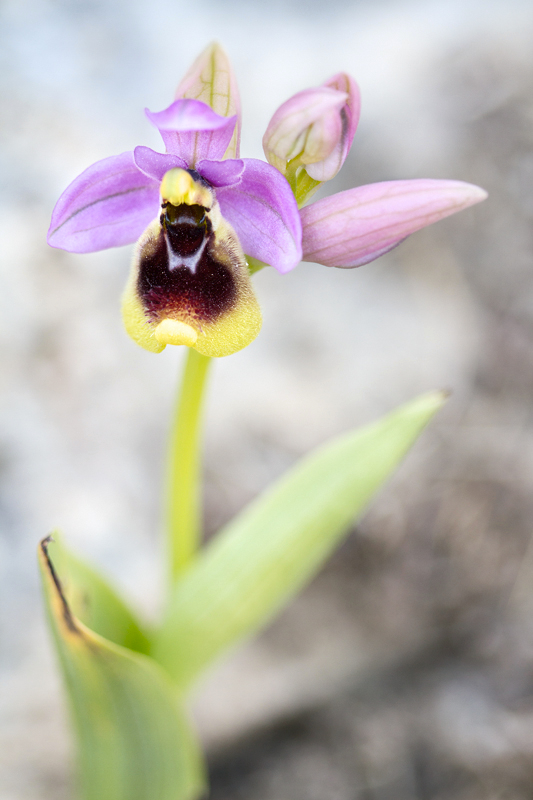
{"x":270,"y":550}
{"x":134,"y":740}
{"x":95,"y":603}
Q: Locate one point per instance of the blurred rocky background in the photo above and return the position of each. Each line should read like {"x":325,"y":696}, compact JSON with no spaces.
{"x":405,"y":671}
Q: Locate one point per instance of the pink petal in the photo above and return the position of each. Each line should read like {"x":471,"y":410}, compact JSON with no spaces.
{"x":263,"y":211}
{"x":221,"y":173}
{"x":350,"y":113}
{"x":193,"y":131}
{"x":288,"y":130}
{"x":108,"y":205}
{"x":354,"y":227}
{"x":153,"y":164}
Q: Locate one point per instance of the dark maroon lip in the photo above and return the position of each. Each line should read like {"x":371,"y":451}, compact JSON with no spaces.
{"x":203,"y":294}
{"x":186,"y":228}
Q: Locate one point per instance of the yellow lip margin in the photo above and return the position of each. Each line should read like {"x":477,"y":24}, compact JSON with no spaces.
{"x":231,"y":332}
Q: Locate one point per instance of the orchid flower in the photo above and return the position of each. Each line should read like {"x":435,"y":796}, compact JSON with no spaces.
{"x":193,"y":212}
{"x":198,"y":208}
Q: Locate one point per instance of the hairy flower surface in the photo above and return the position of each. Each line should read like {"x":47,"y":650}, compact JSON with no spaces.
{"x":196,"y":209}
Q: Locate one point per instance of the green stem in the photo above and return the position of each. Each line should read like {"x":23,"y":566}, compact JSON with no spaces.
{"x":184,"y":512}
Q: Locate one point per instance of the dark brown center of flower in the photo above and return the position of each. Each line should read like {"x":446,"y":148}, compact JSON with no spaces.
{"x":186,"y":227}
{"x":178,"y":272}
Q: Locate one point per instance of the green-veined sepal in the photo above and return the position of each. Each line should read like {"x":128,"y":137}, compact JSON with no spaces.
{"x":211,"y":80}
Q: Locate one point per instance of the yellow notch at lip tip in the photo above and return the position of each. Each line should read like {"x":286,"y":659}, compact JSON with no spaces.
{"x":178,"y":187}
{"x":172,"y":331}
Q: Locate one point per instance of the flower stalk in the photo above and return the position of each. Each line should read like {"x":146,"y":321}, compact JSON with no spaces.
{"x":184,"y":526}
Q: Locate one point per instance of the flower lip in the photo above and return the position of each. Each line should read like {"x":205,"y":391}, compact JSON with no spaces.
{"x":169,"y":284}
{"x":189,"y":283}
{"x":187,"y":229}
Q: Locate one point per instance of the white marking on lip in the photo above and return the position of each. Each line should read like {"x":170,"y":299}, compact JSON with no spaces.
{"x":191,"y":262}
